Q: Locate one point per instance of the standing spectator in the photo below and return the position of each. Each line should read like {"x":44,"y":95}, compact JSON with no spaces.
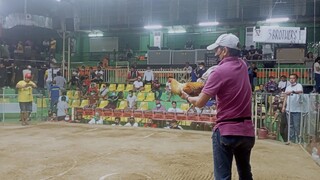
{"x":10,"y":73}
{"x":316,"y":69}
{"x":283,"y":83}
{"x":3,"y":75}
{"x":244,"y":52}
{"x":62,"y":108}
{"x":138,"y":85}
{"x":188,"y":70}
{"x":132,"y":75}
{"x":54,"y":94}
{"x":53,"y":46}
{"x":60,"y":81}
{"x":25,"y":98}
{"x":49,"y":75}
{"x":252,"y":51}
{"x":156,"y":88}
{"x":293,"y":106}
{"x":148,"y":76}
{"x":105,"y":62}
{"x":174,"y":108}
{"x":271,"y":86}
{"x":27,"y":71}
{"x":131,"y":100}
{"x":17,"y":74}
{"x":234,"y":131}
{"x":131,"y":122}
{"x":201,"y":70}
{"x":253,"y":75}
{"x":46,"y":46}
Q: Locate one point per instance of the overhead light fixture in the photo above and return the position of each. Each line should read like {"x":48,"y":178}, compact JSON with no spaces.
{"x":276,"y":20}
{"x":153,"y":27}
{"x":58,"y":0}
{"x":95,"y":34}
{"x":178,"y":31}
{"x":215,"y":23}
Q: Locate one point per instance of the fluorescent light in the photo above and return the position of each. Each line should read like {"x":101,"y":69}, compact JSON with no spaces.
{"x":95,"y":34}
{"x":209,"y":23}
{"x":153,"y":27}
{"x":275,"y":20}
{"x":177,"y":31}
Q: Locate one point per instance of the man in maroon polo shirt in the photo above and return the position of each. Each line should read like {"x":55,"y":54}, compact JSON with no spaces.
{"x":233,"y":134}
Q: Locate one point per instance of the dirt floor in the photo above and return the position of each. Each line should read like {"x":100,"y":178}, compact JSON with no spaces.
{"x":79,"y":151}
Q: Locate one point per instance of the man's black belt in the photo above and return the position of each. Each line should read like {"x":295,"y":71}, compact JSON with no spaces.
{"x":240,"y":119}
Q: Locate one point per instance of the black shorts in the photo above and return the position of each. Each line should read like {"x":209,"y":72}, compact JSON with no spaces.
{"x":25,"y":106}
{"x":61,"y":118}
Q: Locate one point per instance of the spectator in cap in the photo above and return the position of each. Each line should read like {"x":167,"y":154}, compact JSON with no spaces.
{"x":25,"y":97}
{"x":233,"y":134}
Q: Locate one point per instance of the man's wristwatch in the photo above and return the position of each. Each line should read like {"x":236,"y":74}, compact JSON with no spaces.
{"x":293,"y":92}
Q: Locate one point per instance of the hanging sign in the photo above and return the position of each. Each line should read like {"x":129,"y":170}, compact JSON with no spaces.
{"x":286,"y":35}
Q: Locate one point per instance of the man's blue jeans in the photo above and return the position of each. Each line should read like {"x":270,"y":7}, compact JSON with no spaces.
{"x":295,"y":120}
{"x":224,"y":148}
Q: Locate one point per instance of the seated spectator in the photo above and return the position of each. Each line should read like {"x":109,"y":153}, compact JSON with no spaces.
{"x":82,"y":73}
{"x":133,"y":75}
{"x":97,"y":119}
{"x":138,"y":85}
{"x":74,"y":82}
{"x":150,"y":124}
{"x":92,"y":73}
{"x":131,"y":122}
{"x":148,"y":76}
{"x":283,"y":83}
{"x":103,"y":92}
{"x":168,"y":89}
{"x":159,"y":107}
{"x":173,"y":125}
{"x":93,"y":100}
{"x":117,"y":121}
{"x":99,"y":76}
{"x":132,"y":100}
{"x":271,"y":86}
{"x":174,"y":108}
{"x":93,"y":90}
{"x":62,"y":109}
{"x":200,"y":70}
{"x":156,"y":88}
{"x":113,"y":100}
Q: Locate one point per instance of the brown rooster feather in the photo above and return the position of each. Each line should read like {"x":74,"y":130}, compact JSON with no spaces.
{"x":191,"y":88}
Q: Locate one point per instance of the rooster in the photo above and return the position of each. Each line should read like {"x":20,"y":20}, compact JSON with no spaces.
{"x":191,"y":88}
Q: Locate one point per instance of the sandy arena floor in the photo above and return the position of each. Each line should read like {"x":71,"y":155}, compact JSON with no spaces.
{"x":79,"y":151}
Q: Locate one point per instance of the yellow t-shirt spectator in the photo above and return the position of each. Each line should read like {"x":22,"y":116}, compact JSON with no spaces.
{"x":25,"y":94}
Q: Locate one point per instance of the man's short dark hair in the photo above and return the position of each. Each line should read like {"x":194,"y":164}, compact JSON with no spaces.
{"x":294,"y":75}
{"x":130,"y":91}
{"x":173,"y":102}
{"x":283,"y":76}
{"x":63,"y":98}
{"x":58,"y":73}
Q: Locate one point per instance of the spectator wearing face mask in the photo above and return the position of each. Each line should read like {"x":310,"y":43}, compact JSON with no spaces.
{"x":159,"y":107}
{"x":201,"y":70}
{"x":148,"y":76}
{"x":132,"y":100}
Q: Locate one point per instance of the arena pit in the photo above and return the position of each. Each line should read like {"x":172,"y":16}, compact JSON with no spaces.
{"x":78,"y":151}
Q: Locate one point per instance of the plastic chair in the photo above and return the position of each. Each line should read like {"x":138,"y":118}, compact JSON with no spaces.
{"x":84,"y":103}
{"x":42,"y":102}
{"x":150,"y":97}
{"x":140,"y":96}
{"x":103,"y":104}
{"x":70,"y":94}
{"x":112,"y":87}
{"x":147,"y":88}
{"x":144,"y":106}
{"x":75,"y":103}
{"x":123,"y":105}
{"x":184,"y":107}
{"x":76,"y":95}
{"x":120,"y":87}
{"x":129,"y":87}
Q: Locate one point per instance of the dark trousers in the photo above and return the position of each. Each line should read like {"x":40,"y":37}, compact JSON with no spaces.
{"x":155,"y":93}
{"x":284,"y":127}
{"x":224,"y":148}
{"x":317,"y":78}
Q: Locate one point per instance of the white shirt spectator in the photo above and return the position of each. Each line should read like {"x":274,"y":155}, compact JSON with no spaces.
{"x":148,"y":75}
{"x":60,"y":81}
{"x":49,"y":73}
{"x":138,"y":84}
{"x":62,"y":106}
{"x":293,"y":100}
{"x":175,"y":110}
{"x":131,"y":125}
{"x":283,"y":84}
{"x":96,"y":120}
{"x":188,"y":69}
{"x":104,"y":91}
{"x":315,"y":66}
{"x":131,"y":101}
{"x":67,"y":99}
{"x":99,"y":72}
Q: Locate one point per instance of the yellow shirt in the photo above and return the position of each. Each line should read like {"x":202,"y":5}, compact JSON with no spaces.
{"x":25,"y":94}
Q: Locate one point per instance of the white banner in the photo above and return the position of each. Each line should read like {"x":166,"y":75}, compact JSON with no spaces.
{"x":157,"y":39}
{"x":287,"y":35}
